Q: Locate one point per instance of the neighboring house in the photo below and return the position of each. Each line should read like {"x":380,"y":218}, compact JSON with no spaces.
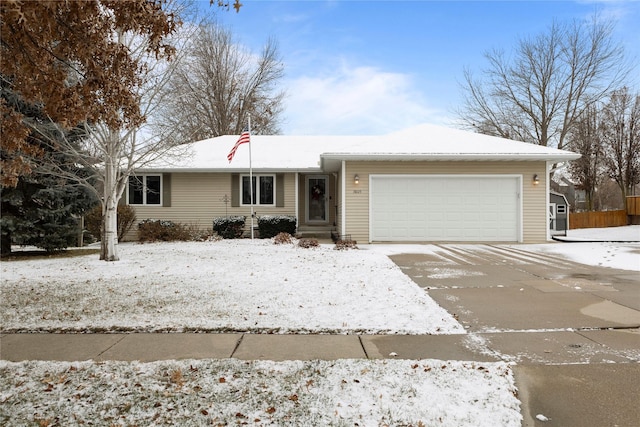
{"x":422,"y":184}
{"x":576,"y":196}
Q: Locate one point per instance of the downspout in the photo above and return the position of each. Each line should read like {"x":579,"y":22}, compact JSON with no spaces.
{"x":343,"y":199}
{"x":297,"y":199}
{"x":547,"y":187}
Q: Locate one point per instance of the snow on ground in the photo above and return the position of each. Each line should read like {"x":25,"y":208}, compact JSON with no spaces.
{"x":228,"y":285}
{"x":630,"y":233}
{"x":604,"y":253}
{"x":224,"y":392}
{"x":260,"y":287}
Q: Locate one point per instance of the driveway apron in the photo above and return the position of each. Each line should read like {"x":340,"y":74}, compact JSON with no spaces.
{"x":572,"y":330}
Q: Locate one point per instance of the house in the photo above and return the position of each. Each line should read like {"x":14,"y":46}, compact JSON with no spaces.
{"x":575,"y":195}
{"x":423,"y":184}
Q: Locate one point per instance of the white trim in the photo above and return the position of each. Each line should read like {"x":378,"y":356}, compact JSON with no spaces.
{"x":520,"y":207}
{"x":547,"y":193}
{"x":343,"y":197}
{"x":297,"y":197}
{"x":519,"y":183}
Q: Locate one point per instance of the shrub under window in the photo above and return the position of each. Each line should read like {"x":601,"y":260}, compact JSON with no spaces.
{"x":270,"y":225}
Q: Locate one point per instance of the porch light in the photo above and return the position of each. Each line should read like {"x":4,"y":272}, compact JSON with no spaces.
{"x":536,"y":179}
{"x":356,"y":179}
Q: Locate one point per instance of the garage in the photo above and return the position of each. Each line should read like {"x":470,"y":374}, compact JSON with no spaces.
{"x":472,"y":208}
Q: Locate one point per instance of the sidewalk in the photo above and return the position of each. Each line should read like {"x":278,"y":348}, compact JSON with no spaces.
{"x":577,"y":378}
{"x":526,"y":348}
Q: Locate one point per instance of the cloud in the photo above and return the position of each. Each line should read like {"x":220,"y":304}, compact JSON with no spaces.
{"x":355,"y":100}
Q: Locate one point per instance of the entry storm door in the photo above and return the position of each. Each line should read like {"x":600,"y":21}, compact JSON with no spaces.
{"x":317,"y":199}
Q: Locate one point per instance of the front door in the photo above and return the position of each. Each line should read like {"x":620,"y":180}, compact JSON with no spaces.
{"x":317,"y":199}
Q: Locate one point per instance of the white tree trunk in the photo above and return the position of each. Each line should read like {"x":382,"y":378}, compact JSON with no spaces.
{"x":110,"y":243}
{"x":109,"y":247}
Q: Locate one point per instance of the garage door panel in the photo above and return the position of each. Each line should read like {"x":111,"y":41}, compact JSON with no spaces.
{"x":455,"y":208}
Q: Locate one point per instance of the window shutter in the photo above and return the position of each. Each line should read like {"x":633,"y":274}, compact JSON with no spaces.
{"x":280,"y":190}
{"x":235,"y":190}
{"x":166,"y":190}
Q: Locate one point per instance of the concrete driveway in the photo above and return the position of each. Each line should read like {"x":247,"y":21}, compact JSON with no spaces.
{"x":572,"y":330}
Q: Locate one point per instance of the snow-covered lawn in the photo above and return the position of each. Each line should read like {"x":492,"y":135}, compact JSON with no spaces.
{"x":625,"y":256}
{"x":256,"y":287}
{"x":233,"y":392}
{"x":228,"y":285}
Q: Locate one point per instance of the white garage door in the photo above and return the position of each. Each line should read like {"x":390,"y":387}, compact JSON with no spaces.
{"x":445,"y":208}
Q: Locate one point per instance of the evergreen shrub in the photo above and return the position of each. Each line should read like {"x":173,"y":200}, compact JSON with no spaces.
{"x":270,"y":225}
{"x":230,"y":227}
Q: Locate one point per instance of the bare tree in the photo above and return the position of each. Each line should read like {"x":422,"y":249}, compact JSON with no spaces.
{"x":621,"y":137}
{"x":219,"y":84}
{"x":586,"y":138}
{"x":538,"y":93}
{"x":112,"y":151}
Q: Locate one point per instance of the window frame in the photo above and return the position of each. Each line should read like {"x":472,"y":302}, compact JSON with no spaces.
{"x":145,"y":189}
{"x":257,"y":189}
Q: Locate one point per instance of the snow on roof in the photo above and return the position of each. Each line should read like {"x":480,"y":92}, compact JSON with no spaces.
{"x":314,"y":153}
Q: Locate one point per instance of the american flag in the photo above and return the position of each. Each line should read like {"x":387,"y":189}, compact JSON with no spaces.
{"x":244,"y":137}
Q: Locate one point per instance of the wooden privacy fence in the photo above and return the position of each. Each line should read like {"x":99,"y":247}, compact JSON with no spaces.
{"x":633,"y":205}
{"x":597,"y":219}
{"x":607,"y":218}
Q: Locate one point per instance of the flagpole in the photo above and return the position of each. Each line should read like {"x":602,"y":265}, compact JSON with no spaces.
{"x":250,"y":174}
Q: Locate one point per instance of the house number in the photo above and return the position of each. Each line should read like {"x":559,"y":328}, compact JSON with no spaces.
{"x":357,"y":191}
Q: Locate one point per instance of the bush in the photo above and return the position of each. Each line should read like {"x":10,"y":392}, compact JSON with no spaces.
{"x":196,"y":233}
{"x":346,"y":244}
{"x":230,"y":227}
{"x":126,"y":219}
{"x":282,"y":238}
{"x":308,"y":243}
{"x":269,"y":226}
{"x":152,"y":230}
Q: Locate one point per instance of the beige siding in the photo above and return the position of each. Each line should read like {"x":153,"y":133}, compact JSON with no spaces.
{"x":534,"y":209}
{"x":197,"y":198}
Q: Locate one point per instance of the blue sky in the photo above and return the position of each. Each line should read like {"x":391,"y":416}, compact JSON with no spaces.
{"x":372,"y":67}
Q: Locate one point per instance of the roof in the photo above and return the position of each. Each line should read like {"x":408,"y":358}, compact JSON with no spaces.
{"x":316,"y":153}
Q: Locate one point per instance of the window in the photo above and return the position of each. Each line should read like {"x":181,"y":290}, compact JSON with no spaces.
{"x":145,"y":190}
{"x":561,"y":209}
{"x":263,"y":190}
